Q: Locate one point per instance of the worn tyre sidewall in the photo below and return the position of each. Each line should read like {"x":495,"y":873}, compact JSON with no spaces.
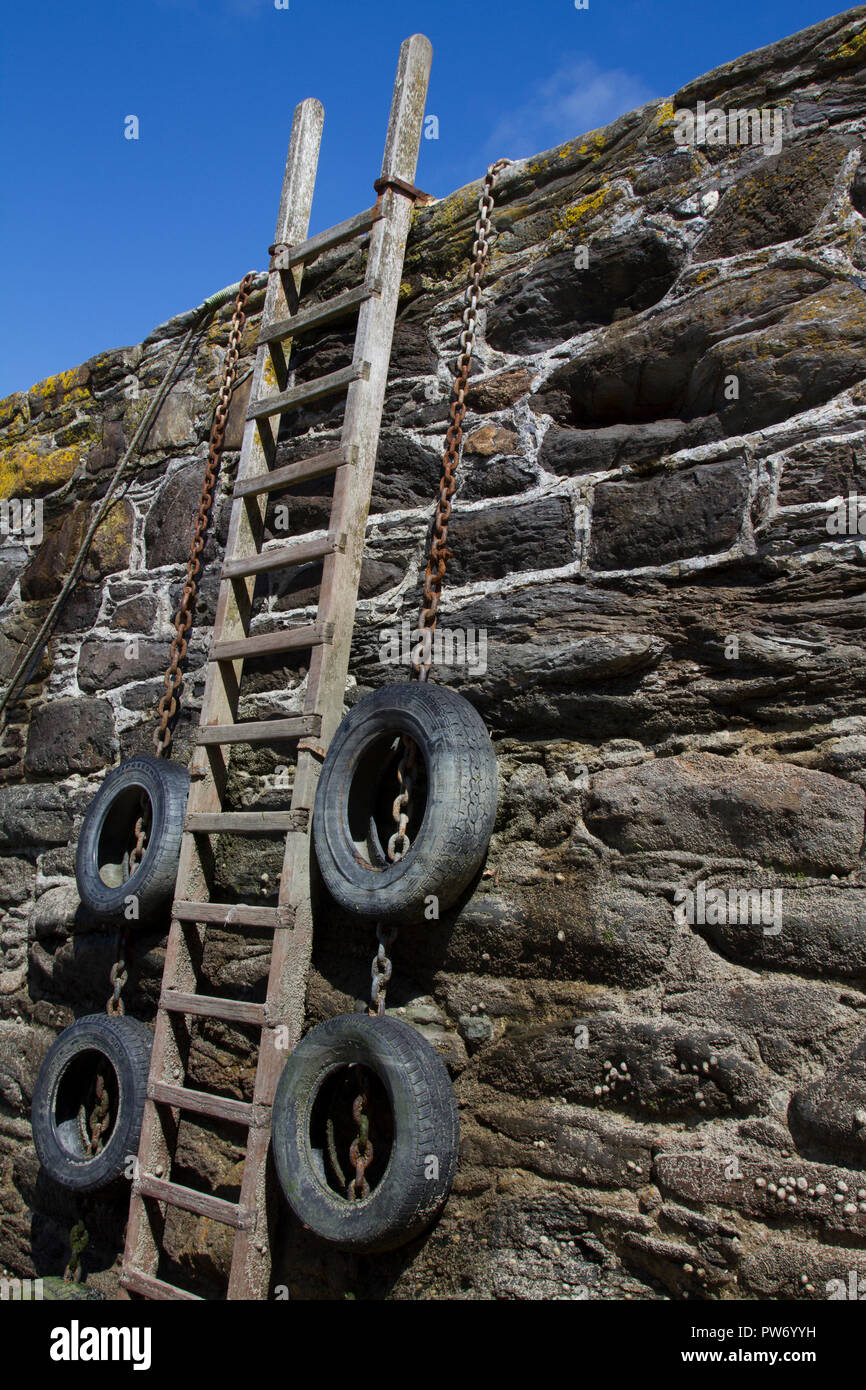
{"x":126,"y":1044}
{"x":398,"y":892}
{"x":152,"y":883}
{"x":406,"y":1200}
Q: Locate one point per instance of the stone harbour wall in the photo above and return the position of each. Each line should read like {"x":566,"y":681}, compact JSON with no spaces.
{"x":661,"y":1079}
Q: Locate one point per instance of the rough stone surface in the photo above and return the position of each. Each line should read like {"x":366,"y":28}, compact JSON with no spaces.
{"x":105,"y":665}
{"x":170,"y":520}
{"x":779,"y":815}
{"x":109,"y":551}
{"x":72,"y":735}
{"x":667,"y":624}
{"x":669,"y":517}
{"x":557,"y":300}
{"x":781,"y":200}
{"x":829,"y":1116}
{"x":496,"y":541}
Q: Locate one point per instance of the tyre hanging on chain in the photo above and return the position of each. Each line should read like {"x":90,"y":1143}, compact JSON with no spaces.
{"x":365,"y":1132}
{"x":453,"y":802}
{"x":442,"y":763}
{"x":89,"y":1099}
{"x":129,"y":844}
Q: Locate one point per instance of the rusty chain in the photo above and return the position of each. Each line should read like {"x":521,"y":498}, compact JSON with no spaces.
{"x":361,"y":1148}
{"x":100,"y":1116}
{"x":399,"y":843}
{"x":382,"y":969}
{"x":118,"y":976}
{"x":168,"y":704}
{"x":136,"y":854}
{"x":439,"y":552}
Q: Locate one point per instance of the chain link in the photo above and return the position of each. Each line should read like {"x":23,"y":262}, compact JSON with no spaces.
{"x":361,"y":1148}
{"x":399,"y":843}
{"x":439,"y":552}
{"x":118,"y":976}
{"x":100,"y":1117}
{"x":168,"y":704}
{"x":382,"y":968}
{"x":142,"y":828}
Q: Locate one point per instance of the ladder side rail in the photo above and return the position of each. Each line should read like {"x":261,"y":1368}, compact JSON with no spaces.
{"x":365,"y":402}
{"x":292,"y":949}
{"x":156,"y":1144}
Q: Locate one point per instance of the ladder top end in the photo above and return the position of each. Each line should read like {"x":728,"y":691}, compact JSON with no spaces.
{"x":420,"y":43}
{"x":311,"y":106}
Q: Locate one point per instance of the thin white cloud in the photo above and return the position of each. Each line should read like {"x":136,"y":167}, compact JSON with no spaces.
{"x":579,"y":96}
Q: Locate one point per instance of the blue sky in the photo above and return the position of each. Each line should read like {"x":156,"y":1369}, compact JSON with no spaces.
{"x":102,"y":237}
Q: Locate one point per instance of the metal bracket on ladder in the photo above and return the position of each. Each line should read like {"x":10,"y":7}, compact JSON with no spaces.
{"x":328,"y":641}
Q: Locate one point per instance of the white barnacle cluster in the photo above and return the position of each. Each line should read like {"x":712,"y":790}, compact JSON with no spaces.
{"x":614,"y":1076}
{"x":700,"y":1069}
{"x":793,"y":1190}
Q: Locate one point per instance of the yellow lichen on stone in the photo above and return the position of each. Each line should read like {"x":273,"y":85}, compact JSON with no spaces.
{"x":455,"y":208}
{"x":578,"y":211}
{"x":25,"y":472}
{"x":665,"y":113}
{"x":852,"y":49}
{"x":112,"y":537}
{"x":14,"y":413}
{"x":593,"y":146}
{"x":64,"y":388}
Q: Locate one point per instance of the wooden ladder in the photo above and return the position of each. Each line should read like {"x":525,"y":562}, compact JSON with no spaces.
{"x":327,"y":640}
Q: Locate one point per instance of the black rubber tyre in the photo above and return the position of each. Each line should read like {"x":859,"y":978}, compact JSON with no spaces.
{"x":107,"y":835}
{"x":64,"y":1096}
{"x":451,"y":828}
{"x":414,"y":1131}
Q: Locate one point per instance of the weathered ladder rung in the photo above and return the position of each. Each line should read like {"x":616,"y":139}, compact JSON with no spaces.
{"x":272,"y":643}
{"x":302,"y":471}
{"x":319,"y":314}
{"x":314,"y":246}
{"x":217,"y":1208}
{"x":261,"y":730}
{"x":309,"y":392}
{"x":150,"y":1287}
{"x":232,"y":914}
{"x":238,"y":1112}
{"x":211,"y":1006}
{"x":246,"y":822}
{"x":284,"y":557}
